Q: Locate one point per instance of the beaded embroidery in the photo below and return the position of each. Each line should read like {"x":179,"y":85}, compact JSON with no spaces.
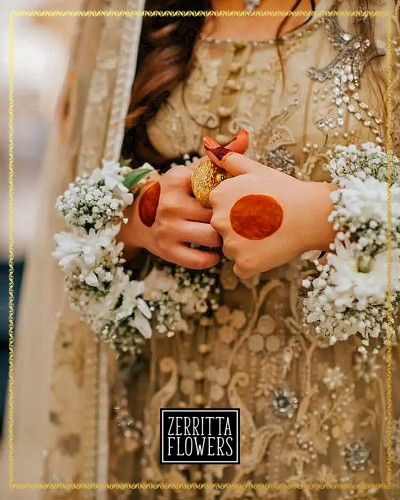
{"x":355,"y":52}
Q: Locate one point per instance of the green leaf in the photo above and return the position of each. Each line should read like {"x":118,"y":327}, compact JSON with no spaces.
{"x":135,"y":176}
{"x":126,"y":163}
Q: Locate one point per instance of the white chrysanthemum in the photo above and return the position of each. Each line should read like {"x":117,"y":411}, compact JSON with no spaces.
{"x":157,"y":283}
{"x":350,"y":294}
{"x":129,"y":294}
{"x":108,"y":302}
{"x":111,"y":174}
{"x":73,"y":248}
{"x":99,"y":287}
{"x":68,"y":248}
{"x":142,"y":324}
{"x":352,"y":279}
{"x":367,"y":199}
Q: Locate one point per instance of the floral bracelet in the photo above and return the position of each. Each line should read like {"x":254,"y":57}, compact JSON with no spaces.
{"x":359,"y":284}
{"x":117,"y":308}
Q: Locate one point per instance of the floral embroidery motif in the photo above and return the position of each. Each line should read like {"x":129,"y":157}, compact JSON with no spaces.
{"x":355,"y":53}
{"x":357,"y":455}
{"x":281,"y":159}
{"x":284,"y":403}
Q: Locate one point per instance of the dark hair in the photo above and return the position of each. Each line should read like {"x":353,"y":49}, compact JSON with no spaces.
{"x":164,"y":57}
{"x":164,"y":60}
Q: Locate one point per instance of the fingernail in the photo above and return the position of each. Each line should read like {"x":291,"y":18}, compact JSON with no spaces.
{"x":241,"y":132}
{"x":220,"y":152}
{"x":209,"y":142}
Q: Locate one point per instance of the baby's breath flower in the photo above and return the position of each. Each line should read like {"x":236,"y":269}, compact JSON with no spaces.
{"x":175,"y":293}
{"x":100,"y":289}
{"x":350,"y":295}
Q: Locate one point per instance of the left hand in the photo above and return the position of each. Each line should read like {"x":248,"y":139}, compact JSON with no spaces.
{"x":281,"y":218}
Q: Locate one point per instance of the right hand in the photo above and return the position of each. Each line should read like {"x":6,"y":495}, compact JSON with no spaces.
{"x":180,"y":221}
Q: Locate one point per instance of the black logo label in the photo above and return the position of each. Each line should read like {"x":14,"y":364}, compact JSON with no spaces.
{"x":199,"y":436}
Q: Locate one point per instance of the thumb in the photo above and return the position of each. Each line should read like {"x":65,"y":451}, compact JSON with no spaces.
{"x":234,"y":163}
{"x":239,"y":143}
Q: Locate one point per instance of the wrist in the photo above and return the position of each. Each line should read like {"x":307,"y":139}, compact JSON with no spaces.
{"x":134,"y":234}
{"x":129,"y":234}
{"x":320,"y":206}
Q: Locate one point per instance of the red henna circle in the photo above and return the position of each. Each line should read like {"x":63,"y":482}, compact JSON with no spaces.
{"x":148,"y":204}
{"x":256,"y":216}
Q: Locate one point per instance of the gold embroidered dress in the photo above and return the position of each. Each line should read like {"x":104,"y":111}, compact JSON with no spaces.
{"x":310,"y":412}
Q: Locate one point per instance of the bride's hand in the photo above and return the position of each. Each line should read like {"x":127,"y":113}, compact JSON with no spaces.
{"x":265,"y":217}
{"x":165,"y":219}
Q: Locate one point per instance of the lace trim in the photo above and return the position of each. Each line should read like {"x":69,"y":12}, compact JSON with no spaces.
{"x":123,"y":85}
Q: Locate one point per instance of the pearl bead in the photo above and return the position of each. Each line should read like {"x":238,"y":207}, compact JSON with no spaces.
{"x":224,"y":112}
{"x":198,"y":399}
{"x":232,"y":85}
{"x":204,"y":348}
{"x":222,"y":139}
{"x":199,"y":375}
{"x":235,"y":67}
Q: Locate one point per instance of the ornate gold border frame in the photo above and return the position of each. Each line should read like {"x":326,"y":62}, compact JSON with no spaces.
{"x":193,"y":486}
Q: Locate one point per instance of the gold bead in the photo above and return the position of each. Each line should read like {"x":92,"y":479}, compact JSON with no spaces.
{"x":206,"y":177}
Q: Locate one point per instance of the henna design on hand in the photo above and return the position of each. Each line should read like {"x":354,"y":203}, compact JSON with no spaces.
{"x":148,"y":204}
{"x":256,"y":216}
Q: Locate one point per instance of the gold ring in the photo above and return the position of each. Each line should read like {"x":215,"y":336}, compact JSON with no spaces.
{"x":206,"y":177}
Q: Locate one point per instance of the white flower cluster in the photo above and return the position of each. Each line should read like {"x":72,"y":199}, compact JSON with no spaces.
{"x":93,"y":201}
{"x":174,"y":293}
{"x":117,"y":308}
{"x":350,"y":295}
{"x":100,"y":289}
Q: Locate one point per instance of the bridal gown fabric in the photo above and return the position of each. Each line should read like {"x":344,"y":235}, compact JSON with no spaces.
{"x":310,"y":412}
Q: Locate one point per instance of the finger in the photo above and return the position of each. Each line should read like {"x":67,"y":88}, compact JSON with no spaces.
{"x":184,"y":207}
{"x":217,"y":223}
{"x":239,"y":143}
{"x":234,"y":163}
{"x":193,"y":258}
{"x":228,"y":251}
{"x":199,"y":234}
{"x":241,"y":273}
{"x":185,"y":179}
{"x":193,"y":165}
{"x":195,"y":212}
